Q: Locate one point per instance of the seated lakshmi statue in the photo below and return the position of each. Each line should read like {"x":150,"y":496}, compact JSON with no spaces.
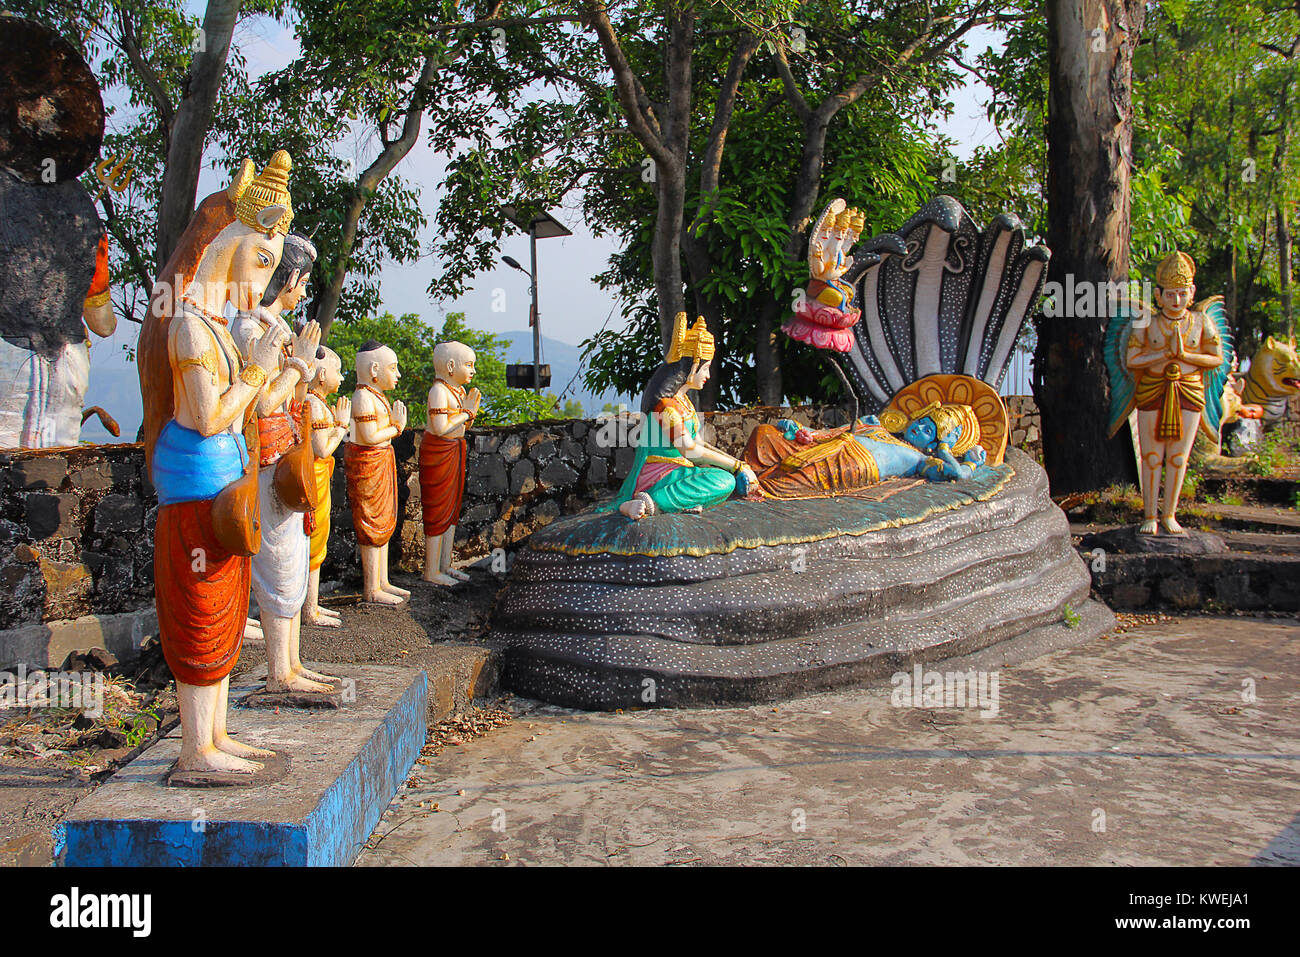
{"x":674,"y":471}
{"x":938,"y":442}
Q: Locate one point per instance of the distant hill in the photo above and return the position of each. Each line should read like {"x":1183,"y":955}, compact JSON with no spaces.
{"x":565,"y":360}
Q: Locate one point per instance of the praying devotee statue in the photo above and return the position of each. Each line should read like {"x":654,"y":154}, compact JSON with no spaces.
{"x":198,"y":393}
{"x":442,"y":457}
{"x":674,"y":470}
{"x":370,"y":465}
{"x":1168,"y":363}
{"x":287,"y":498}
{"x":329,"y":428}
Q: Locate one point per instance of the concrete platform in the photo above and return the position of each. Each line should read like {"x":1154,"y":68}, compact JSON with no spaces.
{"x":1142,"y":749}
{"x":346,"y":765}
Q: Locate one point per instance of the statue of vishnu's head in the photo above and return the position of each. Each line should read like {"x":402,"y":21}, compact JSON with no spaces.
{"x":952,"y":425}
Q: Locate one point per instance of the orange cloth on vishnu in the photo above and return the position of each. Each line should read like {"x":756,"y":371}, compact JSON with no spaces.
{"x":833,"y":466}
{"x":442,"y":482}
{"x":320,"y":530}
{"x":371,"y":472}
{"x":201,"y":594}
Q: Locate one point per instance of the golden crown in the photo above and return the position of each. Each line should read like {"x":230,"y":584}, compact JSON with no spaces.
{"x":1176,"y":271}
{"x":945,"y":418}
{"x":695,"y":342}
{"x":269,"y":188}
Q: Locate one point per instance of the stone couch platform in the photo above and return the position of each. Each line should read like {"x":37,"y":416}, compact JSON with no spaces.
{"x":344,"y":767}
{"x":755,"y":601}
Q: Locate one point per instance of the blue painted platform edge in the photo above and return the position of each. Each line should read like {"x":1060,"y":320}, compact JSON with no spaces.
{"x":352,"y":806}
{"x":331,"y":835}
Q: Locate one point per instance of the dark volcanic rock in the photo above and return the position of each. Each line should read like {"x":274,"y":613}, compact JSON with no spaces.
{"x":1128,"y":541}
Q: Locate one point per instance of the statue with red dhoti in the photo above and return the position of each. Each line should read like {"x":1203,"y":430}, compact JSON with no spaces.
{"x":371,"y":468}
{"x":198,"y":393}
{"x":442,"y":457}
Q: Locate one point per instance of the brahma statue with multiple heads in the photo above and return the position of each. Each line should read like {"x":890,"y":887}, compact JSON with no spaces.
{"x":824,"y":313}
{"x":1168,"y":363}
{"x":200,"y":401}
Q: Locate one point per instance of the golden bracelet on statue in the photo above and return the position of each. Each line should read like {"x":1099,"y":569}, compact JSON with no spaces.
{"x":253,"y":375}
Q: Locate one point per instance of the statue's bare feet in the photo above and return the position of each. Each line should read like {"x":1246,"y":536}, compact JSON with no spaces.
{"x":394,"y":590}
{"x":320,"y":617}
{"x":230,"y":746}
{"x":439,"y":578}
{"x":1148,"y":527}
{"x":213,"y":759}
{"x":457,"y":574}
{"x":633,"y":508}
{"x":1170,"y":525}
{"x":383,"y":598}
{"x":253,"y":629}
{"x":314,"y":675}
{"x":296,"y":682}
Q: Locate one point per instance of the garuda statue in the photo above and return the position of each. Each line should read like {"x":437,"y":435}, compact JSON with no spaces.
{"x":1168,"y":363}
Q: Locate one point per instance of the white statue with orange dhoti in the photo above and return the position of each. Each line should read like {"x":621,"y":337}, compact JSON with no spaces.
{"x":452,"y":410}
{"x":371,"y":468}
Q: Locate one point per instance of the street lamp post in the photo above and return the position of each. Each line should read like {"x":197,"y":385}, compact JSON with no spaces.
{"x":541,"y":226}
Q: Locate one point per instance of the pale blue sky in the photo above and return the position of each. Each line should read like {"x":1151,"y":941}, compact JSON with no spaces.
{"x":572,"y":306}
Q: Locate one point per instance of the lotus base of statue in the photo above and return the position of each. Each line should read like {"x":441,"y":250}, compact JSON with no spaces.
{"x":759,"y":601}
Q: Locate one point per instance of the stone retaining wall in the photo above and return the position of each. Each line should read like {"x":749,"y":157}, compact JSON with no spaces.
{"x":76,"y":524}
{"x":1026,"y":431}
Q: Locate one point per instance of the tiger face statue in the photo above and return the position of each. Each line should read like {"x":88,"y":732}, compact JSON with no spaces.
{"x":1273,"y":377}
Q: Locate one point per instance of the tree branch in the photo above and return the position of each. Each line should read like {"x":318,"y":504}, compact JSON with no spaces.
{"x":627,"y":88}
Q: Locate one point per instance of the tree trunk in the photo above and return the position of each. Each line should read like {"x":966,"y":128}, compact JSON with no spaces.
{"x":807,"y":188}
{"x":1284,"y":269}
{"x":670,"y":188}
{"x":767,"y":354}
{"x":190,"y":128}
{"x":1090,"y":114}
{"x":394,"y":151}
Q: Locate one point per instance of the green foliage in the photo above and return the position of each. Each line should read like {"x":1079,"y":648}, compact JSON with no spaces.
{"x":1214,"y":98}
{"x":1271,"y":455}
{"x":1072,"y":618}
{"x":414,"y":342}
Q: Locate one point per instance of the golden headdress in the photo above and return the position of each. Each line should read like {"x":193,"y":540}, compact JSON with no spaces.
{"x":1176,"y":271}
{"x":945,"y":417}
{"x":696,"y":342}
{"x":270,"y":187}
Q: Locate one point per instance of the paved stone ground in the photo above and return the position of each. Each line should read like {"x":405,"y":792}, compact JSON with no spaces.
{"x":1148,"y":728}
